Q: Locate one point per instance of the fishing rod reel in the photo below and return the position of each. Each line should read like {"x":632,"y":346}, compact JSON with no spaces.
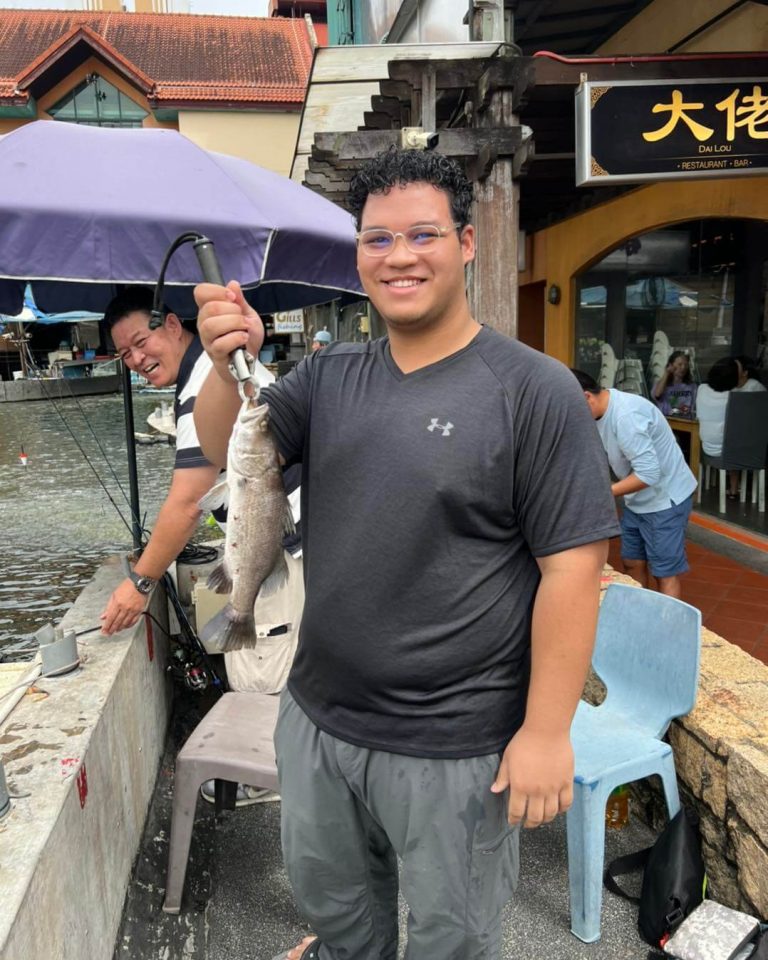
{"x":189,"y":662}
{"x":187,"y":669}
{"x":239,"y":361}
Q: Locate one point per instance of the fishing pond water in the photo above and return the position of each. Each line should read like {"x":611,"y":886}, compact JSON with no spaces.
{"x":57,"y":521}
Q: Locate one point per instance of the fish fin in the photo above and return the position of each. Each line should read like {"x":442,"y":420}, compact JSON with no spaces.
{"x":217,"y":496}
{"x":276,"y":579}
{"x":217,"y":623}
{"x":220,"y":579}
{"x":289,"y":527}
{"x":229,"y":630}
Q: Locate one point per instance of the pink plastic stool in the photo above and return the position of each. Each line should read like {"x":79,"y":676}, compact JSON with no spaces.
{"x":233,"y":741}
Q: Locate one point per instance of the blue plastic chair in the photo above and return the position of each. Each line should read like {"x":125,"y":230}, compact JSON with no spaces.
{"x":647,"y":655}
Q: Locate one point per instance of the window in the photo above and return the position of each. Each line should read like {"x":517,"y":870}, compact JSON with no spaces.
{"x":96,"y":103}
{"x":680,"y":283}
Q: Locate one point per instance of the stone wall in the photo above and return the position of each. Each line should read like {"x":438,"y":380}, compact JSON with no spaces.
{"x":721,"y":756}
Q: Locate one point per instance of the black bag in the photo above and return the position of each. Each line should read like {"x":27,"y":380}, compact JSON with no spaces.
{"x":674,"y":881}
{"x":761,"y":950}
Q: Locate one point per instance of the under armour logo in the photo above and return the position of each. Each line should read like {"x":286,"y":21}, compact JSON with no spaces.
{"x":445,"y":427}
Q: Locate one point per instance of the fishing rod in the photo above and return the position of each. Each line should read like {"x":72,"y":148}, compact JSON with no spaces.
{"x":211,"y":271}
{"x":49,"y":396}
{"x":72,"y":396}
{"x":190,"y":663}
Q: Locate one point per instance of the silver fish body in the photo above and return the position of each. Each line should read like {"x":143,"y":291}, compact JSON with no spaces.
{"x":258,"y":517}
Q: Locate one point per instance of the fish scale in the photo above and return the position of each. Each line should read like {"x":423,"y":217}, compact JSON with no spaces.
{"x":258,"y":518}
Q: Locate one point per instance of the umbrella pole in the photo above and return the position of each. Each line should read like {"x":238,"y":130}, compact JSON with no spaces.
{"x":130,"y":441}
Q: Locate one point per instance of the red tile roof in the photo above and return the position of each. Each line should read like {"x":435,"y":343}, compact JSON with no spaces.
{"x":185,"y":57}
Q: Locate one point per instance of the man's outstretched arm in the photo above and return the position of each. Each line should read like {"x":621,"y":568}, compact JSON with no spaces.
{"x":537,"y":764}
{"x":176,"y":522}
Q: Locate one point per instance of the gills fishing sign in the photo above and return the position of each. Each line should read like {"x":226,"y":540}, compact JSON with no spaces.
{"x":629,"y":132}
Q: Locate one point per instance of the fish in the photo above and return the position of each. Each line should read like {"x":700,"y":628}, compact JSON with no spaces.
{"x":258,"y":518}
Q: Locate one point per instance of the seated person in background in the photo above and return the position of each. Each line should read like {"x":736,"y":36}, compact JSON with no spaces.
{"x":711,"y":404}
{"x":749,"y":381}
{"x":675,"y":391}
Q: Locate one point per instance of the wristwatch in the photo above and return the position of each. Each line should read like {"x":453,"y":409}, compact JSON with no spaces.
{"x":144,"y":585}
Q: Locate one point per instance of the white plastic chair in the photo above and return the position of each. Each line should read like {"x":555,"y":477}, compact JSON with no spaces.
{"x":630,"y":377}
{"x":647,"y":655}
{"x":608,"y":365}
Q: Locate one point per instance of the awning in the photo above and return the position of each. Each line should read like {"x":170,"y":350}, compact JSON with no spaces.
{"x":32,"y":314}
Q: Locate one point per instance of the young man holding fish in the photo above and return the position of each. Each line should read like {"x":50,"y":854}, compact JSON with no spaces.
{"x":454,"y":536}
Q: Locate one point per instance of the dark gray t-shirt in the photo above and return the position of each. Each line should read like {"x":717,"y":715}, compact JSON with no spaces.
{"x":425,"y":499}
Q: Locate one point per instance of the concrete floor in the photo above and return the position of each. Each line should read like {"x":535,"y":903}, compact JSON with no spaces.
{"x":238,"y":904}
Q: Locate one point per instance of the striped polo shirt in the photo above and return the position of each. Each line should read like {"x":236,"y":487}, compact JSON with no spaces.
{"x":194,"y":368}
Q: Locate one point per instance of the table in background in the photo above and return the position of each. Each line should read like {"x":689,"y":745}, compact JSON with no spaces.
{"x":691,"y":427}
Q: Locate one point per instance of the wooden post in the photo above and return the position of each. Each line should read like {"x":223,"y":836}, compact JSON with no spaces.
{"x":428,"y":100}
{"x":493,"y":286}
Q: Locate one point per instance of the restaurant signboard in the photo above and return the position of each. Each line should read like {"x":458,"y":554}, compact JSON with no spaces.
{"x":630,"y":132}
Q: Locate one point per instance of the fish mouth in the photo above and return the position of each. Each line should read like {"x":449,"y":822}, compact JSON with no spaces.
{"x":252,"y":411}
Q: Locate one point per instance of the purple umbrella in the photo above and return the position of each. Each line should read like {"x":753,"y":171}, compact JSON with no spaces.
{"x":84,"y":208}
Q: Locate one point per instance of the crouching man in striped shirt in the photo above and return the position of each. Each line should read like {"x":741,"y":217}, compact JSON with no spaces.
{"x":168,"y":355}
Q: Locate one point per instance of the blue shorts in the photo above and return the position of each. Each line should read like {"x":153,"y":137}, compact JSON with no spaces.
{"x":658,"y":538}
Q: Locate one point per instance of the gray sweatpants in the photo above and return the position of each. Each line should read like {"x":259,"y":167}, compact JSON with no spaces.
{"x":348,"y":813}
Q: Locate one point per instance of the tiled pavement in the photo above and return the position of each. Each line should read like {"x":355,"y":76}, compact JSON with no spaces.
{"x":732,"y":597}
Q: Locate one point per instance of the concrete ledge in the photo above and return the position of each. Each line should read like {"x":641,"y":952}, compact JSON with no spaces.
{"x":83,"y":757}
{"x":60,"y":388}
{"x":721,"y":756}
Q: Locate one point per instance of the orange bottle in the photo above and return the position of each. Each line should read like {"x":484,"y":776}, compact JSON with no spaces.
{"x":617,"y":808}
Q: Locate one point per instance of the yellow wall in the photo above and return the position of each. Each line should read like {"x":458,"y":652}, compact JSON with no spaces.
{"x":560,"y":253}
{"x":268,"y":139}
{"x":665,"y":22}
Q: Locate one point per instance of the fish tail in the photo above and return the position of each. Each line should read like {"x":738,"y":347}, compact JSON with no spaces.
{"x":229,"y":630}
{"x":276,"y":579}
{"x":219,"y":579}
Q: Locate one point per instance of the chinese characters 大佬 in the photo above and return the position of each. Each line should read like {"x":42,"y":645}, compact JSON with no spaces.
{"x":750,"y":111}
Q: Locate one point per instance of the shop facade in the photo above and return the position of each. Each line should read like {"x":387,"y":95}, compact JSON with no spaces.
{"x":684,"y":259}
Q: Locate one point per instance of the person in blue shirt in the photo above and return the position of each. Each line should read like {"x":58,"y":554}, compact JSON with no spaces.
{"x":653,"y":478}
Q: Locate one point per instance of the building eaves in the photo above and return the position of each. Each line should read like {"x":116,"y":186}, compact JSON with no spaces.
{"x":267,"y":59}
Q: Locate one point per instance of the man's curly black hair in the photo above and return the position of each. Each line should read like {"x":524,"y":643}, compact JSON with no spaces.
{"x":396,"y":167}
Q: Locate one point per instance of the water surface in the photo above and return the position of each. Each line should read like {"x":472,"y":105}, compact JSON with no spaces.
{"x":58,"y":523}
